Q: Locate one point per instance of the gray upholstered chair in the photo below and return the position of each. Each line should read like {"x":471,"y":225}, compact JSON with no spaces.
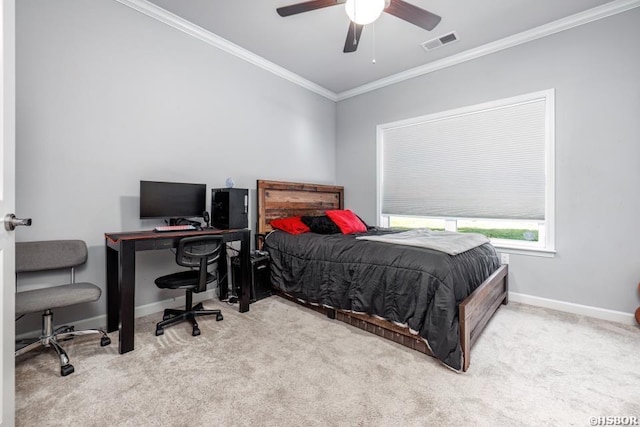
{"x":54,"y":255}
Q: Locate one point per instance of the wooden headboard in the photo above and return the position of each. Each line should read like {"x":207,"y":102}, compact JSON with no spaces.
{"x":279,"y":199}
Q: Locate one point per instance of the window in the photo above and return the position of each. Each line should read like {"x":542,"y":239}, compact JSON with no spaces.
{"x":486,"y":168}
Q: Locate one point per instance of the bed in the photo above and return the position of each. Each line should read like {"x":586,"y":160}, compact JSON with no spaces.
{"x":432,"y":302}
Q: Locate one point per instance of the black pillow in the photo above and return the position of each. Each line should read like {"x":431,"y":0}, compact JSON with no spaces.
{"x":365,"y":224}
{"x":320,"y":224}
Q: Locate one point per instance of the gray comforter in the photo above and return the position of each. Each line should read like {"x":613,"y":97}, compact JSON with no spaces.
{"x":417,"y":287}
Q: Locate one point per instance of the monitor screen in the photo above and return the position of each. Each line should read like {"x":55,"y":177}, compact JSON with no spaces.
{"x":171,"y":199}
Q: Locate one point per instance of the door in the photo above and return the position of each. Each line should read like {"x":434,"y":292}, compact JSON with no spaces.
{"x":7,"y":196}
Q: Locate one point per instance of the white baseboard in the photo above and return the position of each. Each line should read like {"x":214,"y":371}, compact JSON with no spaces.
{"x":140,"y":311}
{"x":568,"y":307}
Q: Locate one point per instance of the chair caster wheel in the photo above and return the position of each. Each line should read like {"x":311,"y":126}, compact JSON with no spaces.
{"x":196,"y":332}
{"x":66,"y":370}
{"x":159,"y":332}
{"x":105,"y":341}
{"x":219,"y":317}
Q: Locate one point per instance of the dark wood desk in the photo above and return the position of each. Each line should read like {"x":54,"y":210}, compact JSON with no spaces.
{"x":121,"y":273}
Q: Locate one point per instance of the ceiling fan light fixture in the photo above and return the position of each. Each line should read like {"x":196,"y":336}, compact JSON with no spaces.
{"x":364,"y":12}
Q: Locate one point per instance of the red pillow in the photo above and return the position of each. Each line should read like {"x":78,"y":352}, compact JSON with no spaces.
{"x":292,"y":225}
{"x":347,"y":221}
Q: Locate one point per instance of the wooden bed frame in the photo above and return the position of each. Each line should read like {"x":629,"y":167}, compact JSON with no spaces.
{"x":278,"y":199}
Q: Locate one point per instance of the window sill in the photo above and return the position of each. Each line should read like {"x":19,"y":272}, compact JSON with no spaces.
{"x":519,"y":250}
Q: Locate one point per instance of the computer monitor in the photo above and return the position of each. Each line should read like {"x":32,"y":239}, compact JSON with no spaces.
{"x":171,"y":200}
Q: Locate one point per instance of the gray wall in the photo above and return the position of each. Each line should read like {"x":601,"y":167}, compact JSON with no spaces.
{"x":107,"y":96}
{"x":595,"y":70}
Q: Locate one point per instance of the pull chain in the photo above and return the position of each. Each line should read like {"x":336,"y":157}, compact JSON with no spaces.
{"x":355,"y":35}
{"x":373,"y":28}
{"x":355,"y":17}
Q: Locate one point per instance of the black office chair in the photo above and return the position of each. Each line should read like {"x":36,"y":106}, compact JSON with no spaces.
{"x":197,"y":252}
{"x":33,"y":257}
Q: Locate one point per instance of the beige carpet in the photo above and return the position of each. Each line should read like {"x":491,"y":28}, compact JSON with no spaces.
{"x":284,"y":365}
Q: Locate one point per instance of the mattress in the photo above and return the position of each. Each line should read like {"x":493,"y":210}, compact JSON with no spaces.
{"x":416,"y":287}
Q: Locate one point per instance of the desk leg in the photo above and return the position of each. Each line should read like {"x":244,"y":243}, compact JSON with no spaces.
{"x":127,"y":275}
{"x":245,"y":271}
{"x":113,"y":291}
{"x":223,"y":283}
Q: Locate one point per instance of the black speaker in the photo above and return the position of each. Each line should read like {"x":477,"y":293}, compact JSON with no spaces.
{"x":260,"y":279}
{"x":229,"y":208}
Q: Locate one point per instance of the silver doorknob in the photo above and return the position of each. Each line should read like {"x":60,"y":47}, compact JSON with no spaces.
{"x":11,"y":222}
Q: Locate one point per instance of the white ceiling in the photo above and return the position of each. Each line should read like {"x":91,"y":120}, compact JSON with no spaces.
{"x":310,"y":44}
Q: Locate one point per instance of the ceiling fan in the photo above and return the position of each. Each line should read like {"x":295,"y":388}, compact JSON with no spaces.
{"x":362,"y":12}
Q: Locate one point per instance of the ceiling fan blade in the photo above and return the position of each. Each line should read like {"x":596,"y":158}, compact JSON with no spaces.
{"x":353,"y":37}
{"x":306,"y":6}
{"x":413,"y":14}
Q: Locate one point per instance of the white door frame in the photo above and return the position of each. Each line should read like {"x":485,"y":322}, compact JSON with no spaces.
{"x":7,"y":205}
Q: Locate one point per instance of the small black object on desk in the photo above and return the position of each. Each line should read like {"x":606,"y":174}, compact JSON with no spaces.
{"x":229,"y":207}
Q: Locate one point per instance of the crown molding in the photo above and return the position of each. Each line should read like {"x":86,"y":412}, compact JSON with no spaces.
{"x":581,"y":18}
{"x":225,"y":45}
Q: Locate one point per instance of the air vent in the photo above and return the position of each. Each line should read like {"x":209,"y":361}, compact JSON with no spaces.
{"x":440,"y":41}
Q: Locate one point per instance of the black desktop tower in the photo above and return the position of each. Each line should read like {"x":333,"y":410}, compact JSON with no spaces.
{"x":229,"y":208}
{"x":260,"y":276}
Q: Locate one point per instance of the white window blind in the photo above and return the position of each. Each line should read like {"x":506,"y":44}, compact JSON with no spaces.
{"x":483,"y":163}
